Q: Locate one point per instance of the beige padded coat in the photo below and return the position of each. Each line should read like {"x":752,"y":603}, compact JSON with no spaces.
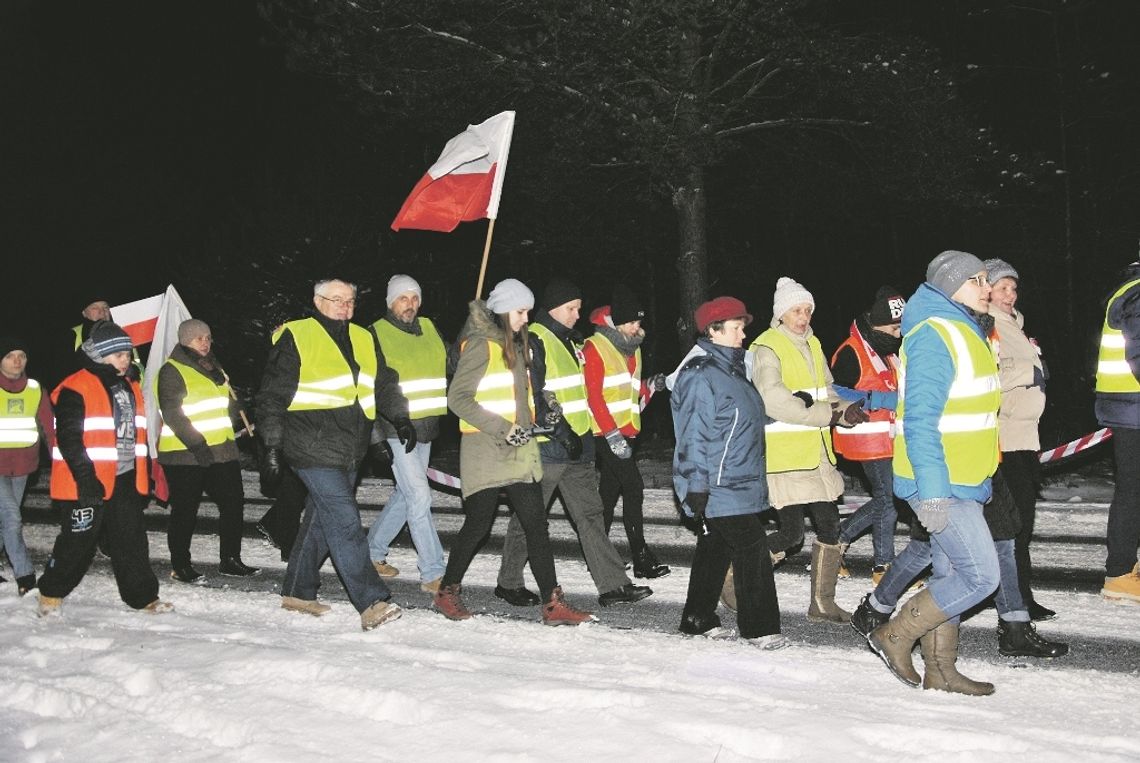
{"x":1019,"y":365}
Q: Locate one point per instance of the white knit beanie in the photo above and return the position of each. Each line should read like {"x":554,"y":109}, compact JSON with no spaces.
{"x":402,"y":284}
{"x":510,"y":294}
{"x":789,"y":293}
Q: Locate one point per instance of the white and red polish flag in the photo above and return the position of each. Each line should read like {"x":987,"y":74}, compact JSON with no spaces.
{"x":163,"y":338}
{"x":138,"y":318}
{"x":465,"y":182}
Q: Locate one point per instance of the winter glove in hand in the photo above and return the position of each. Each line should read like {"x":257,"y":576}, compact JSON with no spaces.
{"x":855,"y":414}
{"x":407,"y":434}
{"x":272,"y":468}
{"x":568,"y":439}
{"x":201,"y":453}
{"x":809,"y":401}
{"x":618,"y":444}
{"x":933,"y":513}
{"x":698,"y":502}
{"x":90,"y":500}
{"x":656,"y":382}
{"x":553,"y":410}
{"x":380,"y":454}
{"x":518,"y":436}
{"x":90,"y":493}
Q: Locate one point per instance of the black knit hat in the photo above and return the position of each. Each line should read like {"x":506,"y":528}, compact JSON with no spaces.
{"x":625,"y":307}
{"x":558,"y":292}
{"x":106,"y":339}
{"x":887,"y":307}
{"x":8,"y":343}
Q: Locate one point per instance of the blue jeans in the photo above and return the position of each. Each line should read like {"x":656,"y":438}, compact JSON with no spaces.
{"x":12,"y":526}
{"x":965,"y":561}
{"x":331,"y":527}
{"x":879,"y":513}
{"x":410,"y":504}
{"x":1008,"y":600}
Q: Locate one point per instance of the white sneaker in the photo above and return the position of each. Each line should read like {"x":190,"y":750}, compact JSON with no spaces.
{"x":769,"y":643}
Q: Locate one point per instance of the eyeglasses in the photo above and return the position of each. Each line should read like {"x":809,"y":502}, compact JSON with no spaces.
{"x":339,"y":301}
{"x":981,"y":280}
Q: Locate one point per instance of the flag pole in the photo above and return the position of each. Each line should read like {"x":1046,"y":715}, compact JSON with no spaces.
{"x":486,"y":255}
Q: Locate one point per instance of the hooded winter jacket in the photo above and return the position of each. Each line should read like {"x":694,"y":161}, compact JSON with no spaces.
{"x":718,"y":419}
{"x":1022,"y":383}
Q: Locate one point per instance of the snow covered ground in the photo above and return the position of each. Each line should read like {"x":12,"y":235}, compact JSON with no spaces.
{"x":231,"y":676}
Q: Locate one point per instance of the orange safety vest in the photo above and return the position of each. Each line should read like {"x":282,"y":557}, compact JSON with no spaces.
{"x":874,"y":439}
{"x":99,"y":438}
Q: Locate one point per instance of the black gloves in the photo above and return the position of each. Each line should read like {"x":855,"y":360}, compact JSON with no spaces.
{"x":380,"y":454}
{"x":202,"y":455}
{"x":698,"y":502}
{"x":568,"y":439}
{"x":272,"y":468}
{"x":90,"y":493}
{"x":809,"y":401}
{"x":406,"y":431}
{"x":855,"y":414}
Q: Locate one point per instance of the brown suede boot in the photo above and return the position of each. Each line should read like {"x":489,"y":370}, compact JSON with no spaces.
{"x":894,"y":640}
{"x":825,"y":561}
{"x":940,"y":652}
{"x":447,"y":602}
{"x":728,"y":591}
{"x":558,"y":612}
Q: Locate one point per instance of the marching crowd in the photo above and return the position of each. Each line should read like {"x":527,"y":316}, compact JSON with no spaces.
{"x":937,"y":397}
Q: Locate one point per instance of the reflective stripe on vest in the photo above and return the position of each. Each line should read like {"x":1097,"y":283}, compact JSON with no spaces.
{"x":620,"y":389}
{"x":496,"y":391}
{"x":1113,"y":374}
{"x":325,"y":380}
{"x":795,"y":447}
{"x":873,"y":439}
{"x":564,"y":378}
{"x":206,"y":404}
{"x":968,"y":424}
{"x":99,"y":438}
{"x":421,"y":362}
{"x":18,"y":428}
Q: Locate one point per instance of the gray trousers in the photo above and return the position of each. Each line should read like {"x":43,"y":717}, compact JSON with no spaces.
{"x":578,"y":484}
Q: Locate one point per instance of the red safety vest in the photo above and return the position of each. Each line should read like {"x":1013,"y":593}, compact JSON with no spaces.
{"x":99,"y":438}
{"x":874,"y":439}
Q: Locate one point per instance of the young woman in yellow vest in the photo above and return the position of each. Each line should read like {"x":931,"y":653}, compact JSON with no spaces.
{"x":198,"y":453}
{"x":99,"y":480}
{"x":25,"y":423}
{"x":792,"y":376}
{"x":491,"y":395}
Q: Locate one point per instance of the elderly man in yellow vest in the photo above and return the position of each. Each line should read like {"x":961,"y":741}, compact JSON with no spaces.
{"x":325,"y":379}
{"x":1118,"y":406}
{"x":414,"y":349}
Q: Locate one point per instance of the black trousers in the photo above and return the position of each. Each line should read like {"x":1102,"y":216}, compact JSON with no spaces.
{"x":283,"y":519}
{"x":222,"y":482}
{"x":739,"y":540}
{"x":117,"y":527}
{"x":1022,"y":475}
{"x":525,"y":499}
{"x":1124,"y":511}
{"x":620,"y":478}
{"x":824,"y":517}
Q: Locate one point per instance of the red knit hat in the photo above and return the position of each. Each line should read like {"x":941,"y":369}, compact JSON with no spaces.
{"x":721,"y":309}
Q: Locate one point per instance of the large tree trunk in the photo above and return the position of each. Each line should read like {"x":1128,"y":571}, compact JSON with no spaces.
{"x":692,"y":261}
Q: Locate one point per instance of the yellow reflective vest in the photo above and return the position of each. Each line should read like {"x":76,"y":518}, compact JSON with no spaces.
{"x":564,"y":379}
{"x":421,"y":362}
{"x":796,"y":447}
{"x":206,"y":404}
{"x":1113,"y":374}
{"x":325,"y":380}
{"x":620,"y":389}
{"x":18,"y":427}
{"x":968,"y":423}
{"x":496,"y":391}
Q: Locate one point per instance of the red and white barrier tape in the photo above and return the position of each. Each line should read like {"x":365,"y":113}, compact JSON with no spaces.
{"x":440,"y":478}
{"x":1076,"y":446}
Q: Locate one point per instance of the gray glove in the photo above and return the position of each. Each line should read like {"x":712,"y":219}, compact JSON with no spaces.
{"x":553,"y":410}
{"x":934,"y":513}
{"x":518,"y":436}
{"x":618,"y":444}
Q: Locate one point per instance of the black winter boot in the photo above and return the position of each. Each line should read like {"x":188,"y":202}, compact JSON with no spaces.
{"x":25,"y":583}
{"x":1022,"y":640}
{"x":232,"y":566}
{"x":699,"y":625}
{"x":645,"y":565}
{"x":866,"y":618}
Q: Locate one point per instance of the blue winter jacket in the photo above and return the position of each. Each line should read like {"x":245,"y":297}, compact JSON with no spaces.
{"x":718,"y":418}
{"x":929,"y":374}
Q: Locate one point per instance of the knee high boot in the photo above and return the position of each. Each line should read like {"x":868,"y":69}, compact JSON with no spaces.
{"x":940,"y":652}
{"x":894,"y":640}
{"x":825,"y":561}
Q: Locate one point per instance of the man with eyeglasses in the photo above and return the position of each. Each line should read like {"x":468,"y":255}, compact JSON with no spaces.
{"x":324,"y":382}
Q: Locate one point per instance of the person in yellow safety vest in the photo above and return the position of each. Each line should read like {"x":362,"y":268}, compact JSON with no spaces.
{"x":197,"y":451}
{"x":567,"y":456}
{"x":1118,"y":406}
{"x":26,"y":424}
{"x":791,"y":373}
{"x":325,"y":381}
{"x":617,"y":391}
{"x":415,"y":350}
{"x":99,"y":479}
{"x":946,"y":452}
{"x":491,"y":395}
{"x":100,"y":310}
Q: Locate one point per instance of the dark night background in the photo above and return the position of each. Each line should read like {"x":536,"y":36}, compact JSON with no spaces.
{"x":240,"y":150}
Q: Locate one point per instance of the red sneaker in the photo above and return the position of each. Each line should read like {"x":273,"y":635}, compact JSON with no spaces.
{"x":447,"y":602}
{"x":558,"y":612}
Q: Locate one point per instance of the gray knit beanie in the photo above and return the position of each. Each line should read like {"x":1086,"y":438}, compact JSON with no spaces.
{"x":510,"y":294}
{"x":402,"y":284}
{"x":106,"y":339}
{"x":949,"y":270}
{"x":191,"y":329}
{"x":997,"y":269}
